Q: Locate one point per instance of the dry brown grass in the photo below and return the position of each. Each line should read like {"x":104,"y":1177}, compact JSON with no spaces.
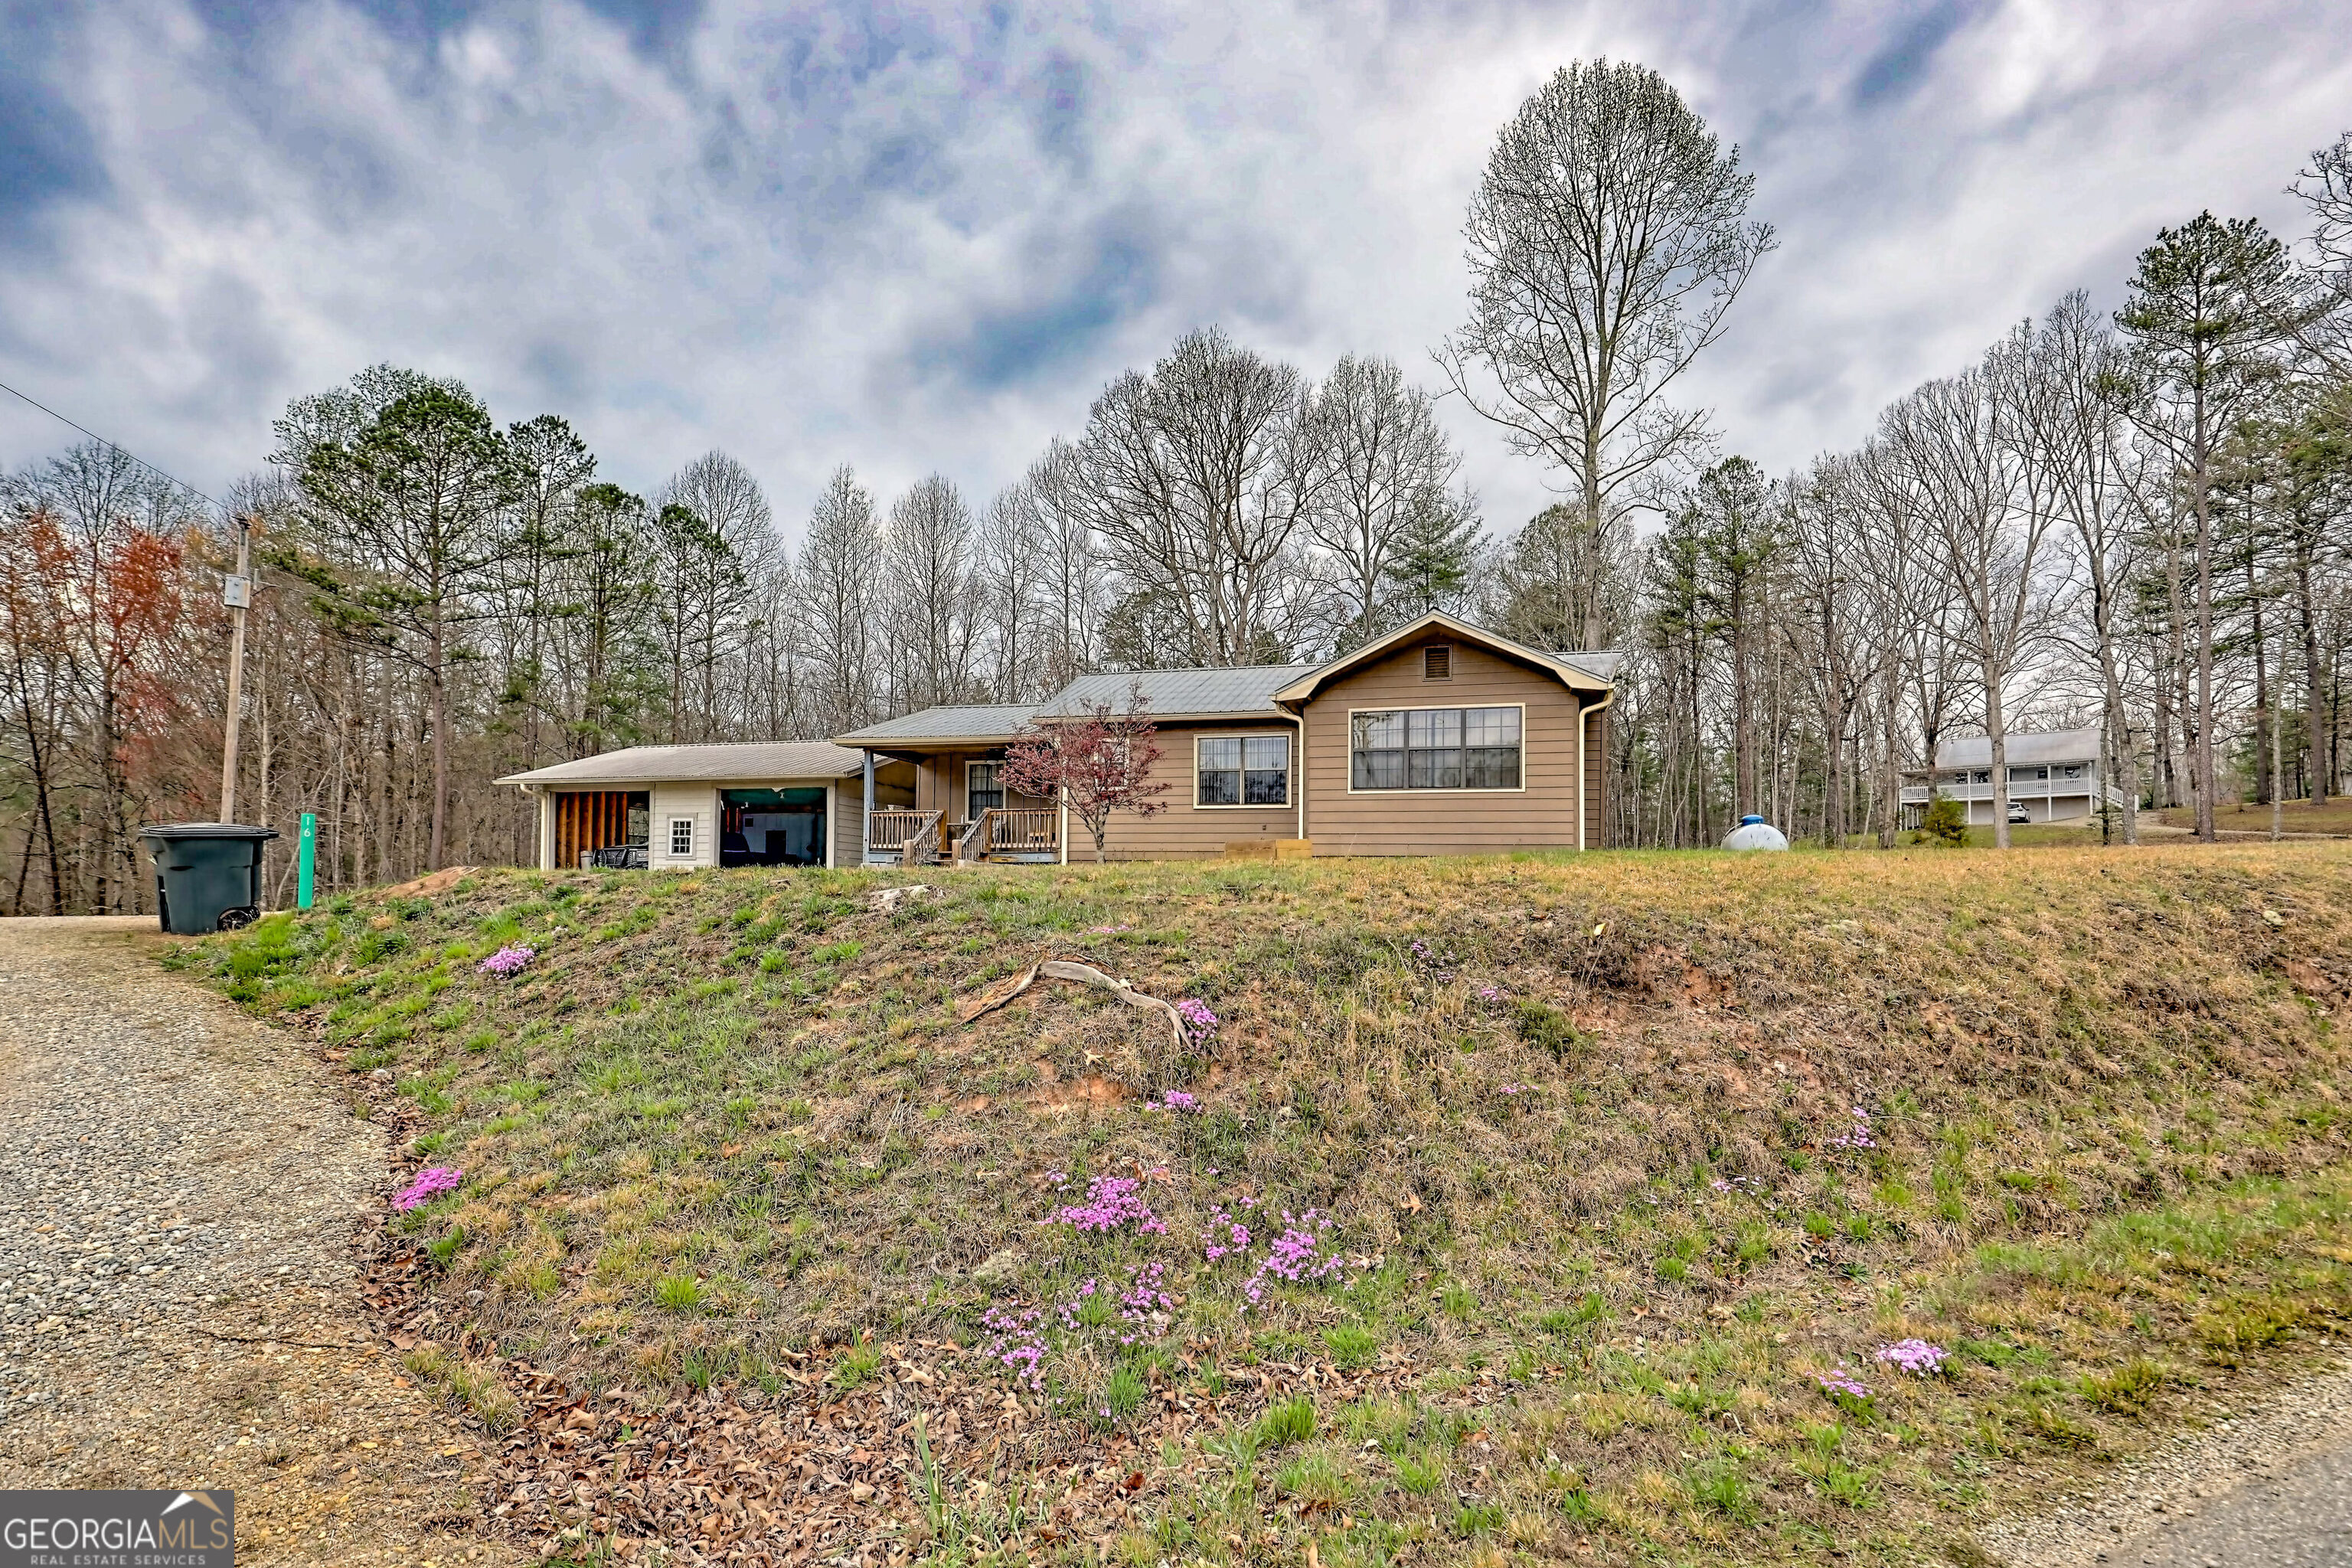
{"x":1585,"y":1112}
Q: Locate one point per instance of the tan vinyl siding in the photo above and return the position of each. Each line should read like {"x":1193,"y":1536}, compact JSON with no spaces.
{"x":941,"y":784}
{"x":1186,"y":831}
{"x":1542,"y":812}
{"x":846,"y":811}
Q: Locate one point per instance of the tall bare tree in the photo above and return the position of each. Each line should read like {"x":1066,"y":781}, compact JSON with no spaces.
{"x":1390,"y":465}
{"x":1952,"y":436}
{"x":1606,"y":244}
{"x":928,"y":595}
{"x":1197,"y":476}
{"x":2073,"y":426}
{"x":840,"y":569}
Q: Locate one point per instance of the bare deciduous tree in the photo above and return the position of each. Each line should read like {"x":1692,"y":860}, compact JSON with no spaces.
{"x":1196,"y":477}
{"x":1606,"y":243}
{"x":1390,"y":465}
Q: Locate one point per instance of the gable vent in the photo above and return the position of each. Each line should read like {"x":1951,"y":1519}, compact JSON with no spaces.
{"x":1437,"y":663}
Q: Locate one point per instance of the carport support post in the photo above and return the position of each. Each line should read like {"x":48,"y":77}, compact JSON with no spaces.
{"x":306,"y":859}
{"x":866,"y":823}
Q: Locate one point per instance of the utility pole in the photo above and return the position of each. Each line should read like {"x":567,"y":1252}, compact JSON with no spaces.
{"x":238,"y":594}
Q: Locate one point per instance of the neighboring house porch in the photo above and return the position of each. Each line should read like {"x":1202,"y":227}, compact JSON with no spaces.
{"x":2055,"y":775}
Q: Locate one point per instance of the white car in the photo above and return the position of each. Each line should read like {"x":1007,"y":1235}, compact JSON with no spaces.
{"x":2017,"y":811}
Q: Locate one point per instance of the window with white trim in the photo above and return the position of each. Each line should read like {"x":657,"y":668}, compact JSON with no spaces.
{"x":1437,"y":748}
{"x":983,"y":787}
{"x":1242,"y":770}
{"x":681,"y":838}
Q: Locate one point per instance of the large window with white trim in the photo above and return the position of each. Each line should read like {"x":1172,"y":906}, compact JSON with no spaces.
{"x":1437,"y":748}
{"x":1241,"y":770}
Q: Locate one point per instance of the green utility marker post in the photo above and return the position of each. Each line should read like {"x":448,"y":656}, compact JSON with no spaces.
{"x":308,"y":855}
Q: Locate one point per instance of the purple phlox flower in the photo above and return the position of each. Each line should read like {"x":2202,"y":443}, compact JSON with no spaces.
{"x":1515,"y":1089}
{"x":508,"y":960}
{"x":1915,"y":1356}
{"x":1298,"y":1255}
{"x":1107,"y":931}
{"x":1111,"y":1202}
{"x":1857,"y":1136}
{"x":1174,"y":1100}
{"x":1841,"y":1382}
{"x":1198,"y":1022}
{"x":1227,"y":1236}
{"x":1146,"y":1303}
{"x":430,"y":1183}
{"x":1490,"y":994}
{"x":1018,"y":1342}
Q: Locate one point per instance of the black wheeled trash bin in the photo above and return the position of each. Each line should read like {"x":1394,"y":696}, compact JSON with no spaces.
{"x":207,"y":874}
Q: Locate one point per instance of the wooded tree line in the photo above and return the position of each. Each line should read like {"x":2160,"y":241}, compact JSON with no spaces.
{"x":2138,"y":521}
{"x":443,"y":600}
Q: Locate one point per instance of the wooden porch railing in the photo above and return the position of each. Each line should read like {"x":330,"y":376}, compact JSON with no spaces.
{"x":1021,"y":830}
{"x":923,"y":837}
{"x":911,"y":836}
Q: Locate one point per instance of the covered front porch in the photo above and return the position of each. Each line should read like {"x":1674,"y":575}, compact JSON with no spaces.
{"x":950,"y":807}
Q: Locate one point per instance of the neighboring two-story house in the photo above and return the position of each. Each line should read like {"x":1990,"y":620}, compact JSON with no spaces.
{"x":2055,"y":775}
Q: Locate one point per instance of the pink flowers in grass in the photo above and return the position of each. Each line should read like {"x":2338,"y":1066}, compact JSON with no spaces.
{"x":1112,"y":1202}
{"x":1916,"y":1357}
{"x":510,"y":960}
{"x":1017,"y":1342}
{"x":1297,"y":1255}
{"x":1199,"y":1024}
{"x":1175,"y":1100}
{"x":1854,"y":1137}
{"x":1228,"y":1236}
{"x":430,"y":1183}
{"x":1840,"y":1385}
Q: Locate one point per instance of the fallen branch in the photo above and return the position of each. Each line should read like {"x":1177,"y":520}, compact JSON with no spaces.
{"x":997,"y":996}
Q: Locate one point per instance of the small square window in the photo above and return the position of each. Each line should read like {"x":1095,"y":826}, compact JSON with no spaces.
{"x":681,"y":838}
{"x":1437,"y":663}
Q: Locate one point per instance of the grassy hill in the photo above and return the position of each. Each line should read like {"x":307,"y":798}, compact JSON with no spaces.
{"x":1523,"y":1208}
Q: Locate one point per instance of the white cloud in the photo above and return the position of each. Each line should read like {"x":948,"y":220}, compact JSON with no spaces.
{"x":920,"y":239}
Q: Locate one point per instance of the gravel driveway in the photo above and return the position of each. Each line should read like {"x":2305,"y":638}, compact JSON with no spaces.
{"x":178,"y":1305}
{"x":2269,"y":1487}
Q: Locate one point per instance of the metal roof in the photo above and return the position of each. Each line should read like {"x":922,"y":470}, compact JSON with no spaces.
{"x":1602,"y":663}
{"x":1182,"y":693}
{"x":2023,"y":746}
{"x":971,"y":721}
{"x":744,"y":760}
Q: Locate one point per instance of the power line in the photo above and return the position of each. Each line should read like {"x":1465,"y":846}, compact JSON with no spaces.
{"x":104,"y":442}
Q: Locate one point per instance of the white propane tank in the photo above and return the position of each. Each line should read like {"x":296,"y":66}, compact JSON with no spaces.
{"x":1755,"y":833}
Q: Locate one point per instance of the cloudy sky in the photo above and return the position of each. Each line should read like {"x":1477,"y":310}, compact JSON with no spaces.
{"x":919,"y":236}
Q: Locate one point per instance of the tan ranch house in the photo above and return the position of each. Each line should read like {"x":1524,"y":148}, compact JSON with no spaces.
{"x":1438,"y":739}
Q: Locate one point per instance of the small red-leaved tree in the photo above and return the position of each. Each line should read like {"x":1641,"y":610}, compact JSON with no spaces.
{"x":1095,"y":761}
